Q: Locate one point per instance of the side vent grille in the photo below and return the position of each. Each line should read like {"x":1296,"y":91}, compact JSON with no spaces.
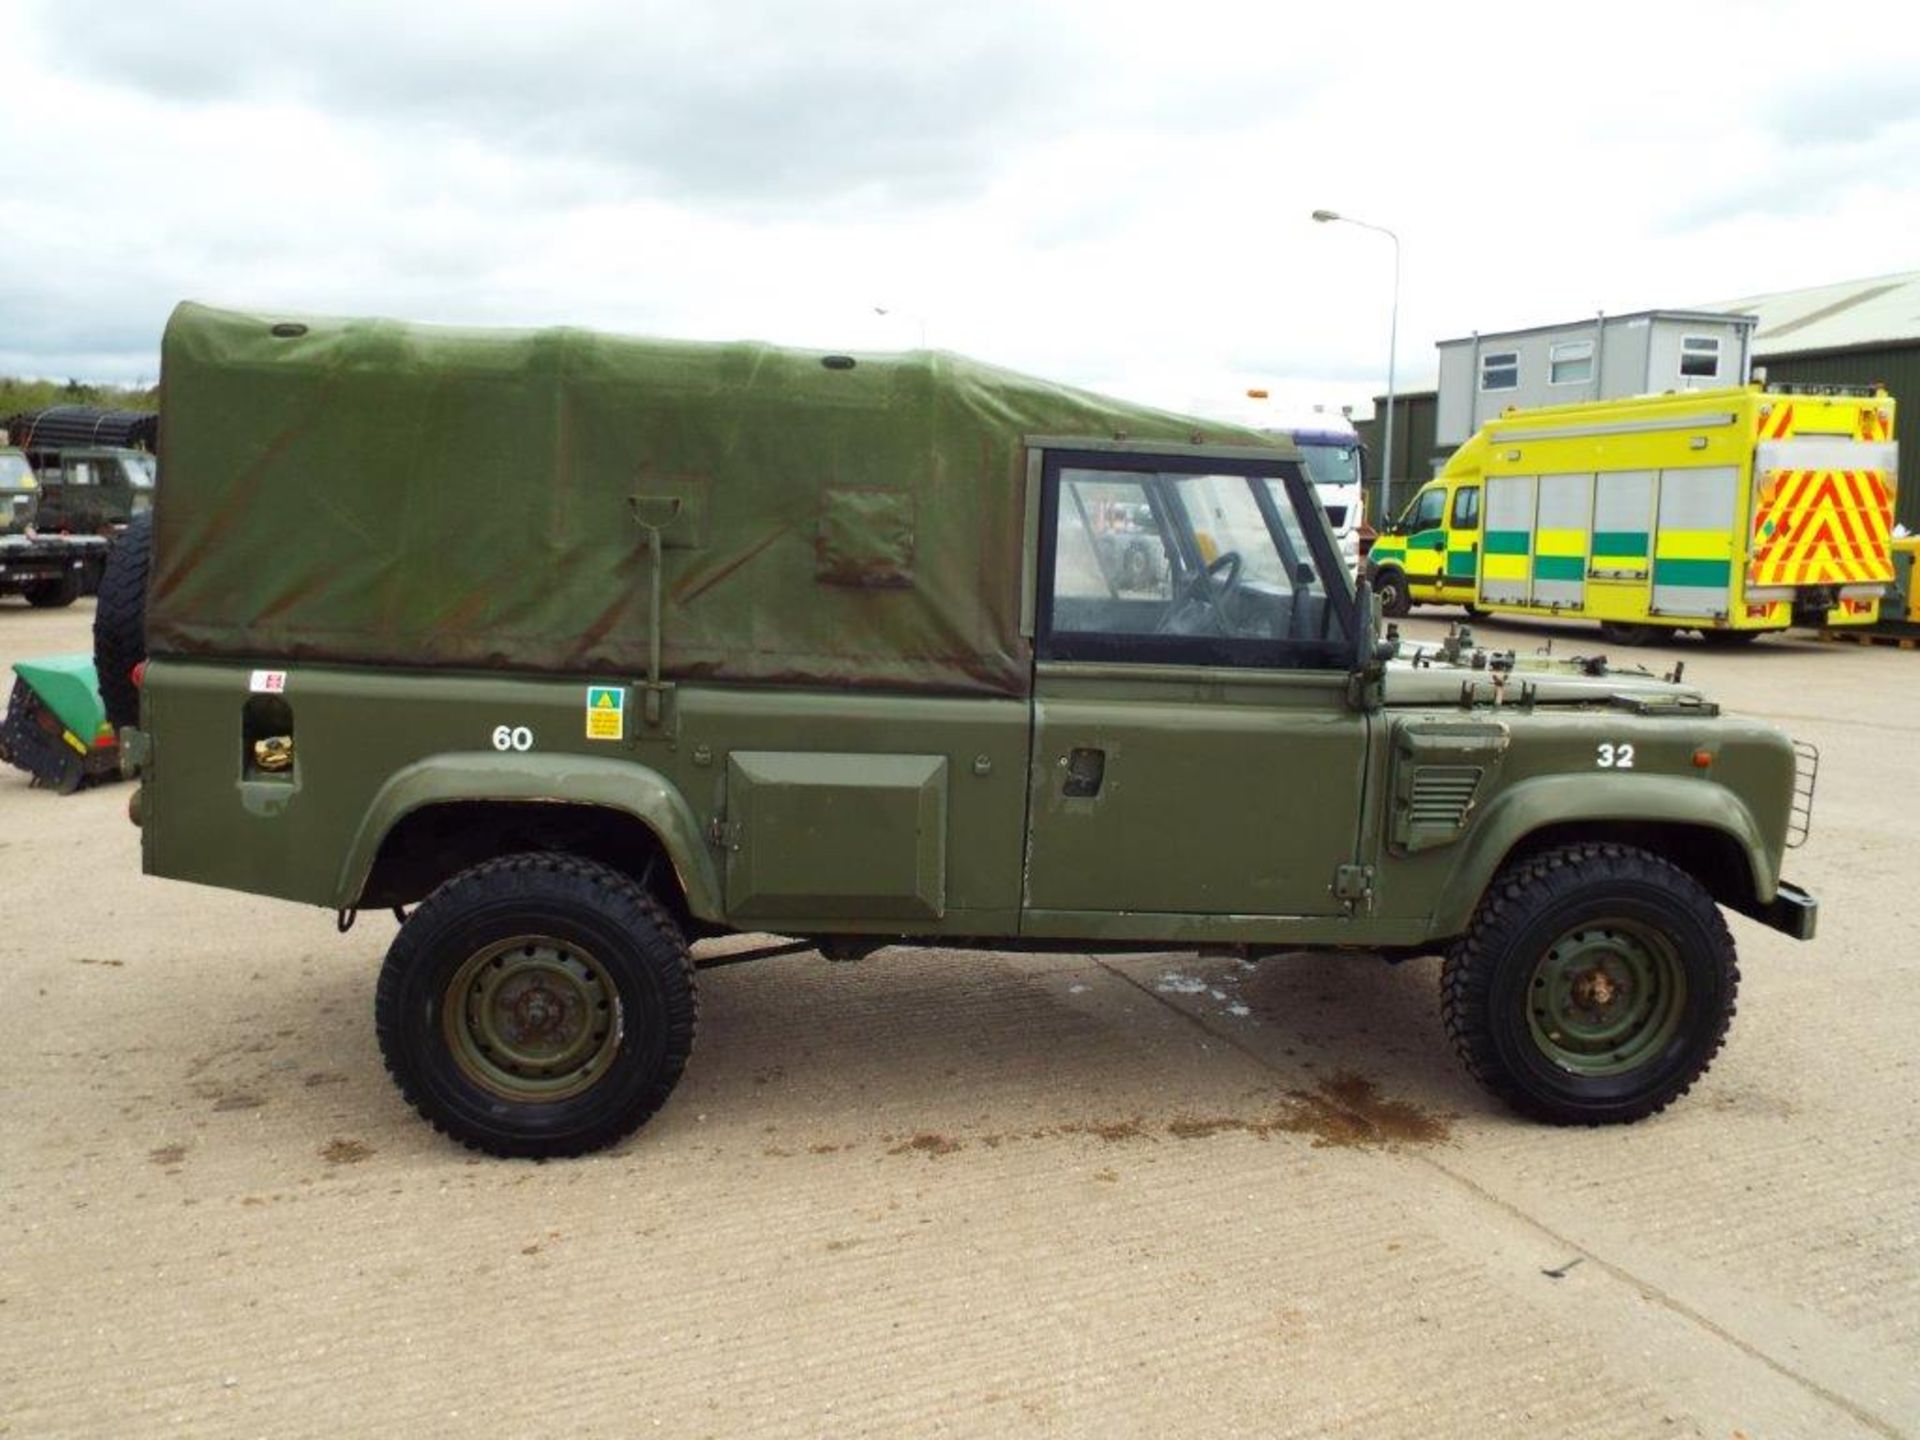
{"x":1440,"y":768}
{"x":1442,"y":795}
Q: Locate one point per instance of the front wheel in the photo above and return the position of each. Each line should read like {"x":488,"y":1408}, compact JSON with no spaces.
{"x":1594,"y":986}
{"x":55,"y":594}
{"x":537,"y":1005}
{"x":1390,"y":585}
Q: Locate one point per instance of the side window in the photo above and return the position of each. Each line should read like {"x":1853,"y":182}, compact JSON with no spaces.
{"x":1154,"y":564}
{"x":1700,"y":357}
{"x":1110,"y":546}
{"x":1500,"y":370}
{"x":1570,"y":362}
{"x":1427,"y":510}
{"x":1466,"y":507}
{"x":80,"y":472}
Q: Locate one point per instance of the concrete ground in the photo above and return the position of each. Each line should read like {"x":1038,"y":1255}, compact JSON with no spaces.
{"x":959,"y":1194}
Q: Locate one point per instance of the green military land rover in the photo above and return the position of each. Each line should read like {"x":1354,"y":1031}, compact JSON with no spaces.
{"x":575,"y":649}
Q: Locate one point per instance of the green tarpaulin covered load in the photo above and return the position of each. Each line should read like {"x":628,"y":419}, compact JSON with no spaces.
{"x":362,"y":490}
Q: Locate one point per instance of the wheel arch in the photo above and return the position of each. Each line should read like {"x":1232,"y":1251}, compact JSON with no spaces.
{"x":1704,"y":830}
{"x":444,"y":813}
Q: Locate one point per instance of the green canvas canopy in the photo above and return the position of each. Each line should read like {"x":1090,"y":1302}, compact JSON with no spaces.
{"x":374,"y":492}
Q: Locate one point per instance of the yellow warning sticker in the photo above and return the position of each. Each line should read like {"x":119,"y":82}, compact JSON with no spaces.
{"x":606,"y":712}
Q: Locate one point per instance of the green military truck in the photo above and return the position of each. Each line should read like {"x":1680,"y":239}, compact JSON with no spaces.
{"x":48,"y":571}
{"x":95,"y":470}
{"x":96,"y":491}
{"x":730,"y":638}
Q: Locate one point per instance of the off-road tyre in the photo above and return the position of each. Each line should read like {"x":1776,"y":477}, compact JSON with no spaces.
{"x":120,"y":620}
{"x":627,"y":935}
{"x":53,"y":594}
{"x":1390,"y":584}
{"x":1474,"y":612}
{"x":1493,"y":976}
{"x":1627,"y":632}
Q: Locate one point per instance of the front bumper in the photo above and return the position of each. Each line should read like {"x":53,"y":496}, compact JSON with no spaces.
{"x":1792,"y":911}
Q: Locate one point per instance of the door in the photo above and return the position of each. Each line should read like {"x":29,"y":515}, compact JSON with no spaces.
{"x":1462,"y":567}
{"x":1693,"y":541}
{"x":1194,"y":752}
{"x":1426,"y":532}
{"x":1561,"y":539}
{"x":1620,"y":560}
{"x":75,"y":498}
{"x":1506,"y":570}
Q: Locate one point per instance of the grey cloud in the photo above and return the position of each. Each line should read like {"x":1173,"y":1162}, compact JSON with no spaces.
{"x":54,"y":333}
{"x":753,"y":105}
{"x":1834,"y":110}
{"x":758,"y":104}
{"x":1801,"y":183}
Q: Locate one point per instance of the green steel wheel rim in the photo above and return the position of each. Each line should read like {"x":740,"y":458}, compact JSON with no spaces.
{"x":1605,"y":998}
{"x":532,"y":1019}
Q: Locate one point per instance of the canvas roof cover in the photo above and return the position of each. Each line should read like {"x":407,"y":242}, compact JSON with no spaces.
{"x":366,"y":491}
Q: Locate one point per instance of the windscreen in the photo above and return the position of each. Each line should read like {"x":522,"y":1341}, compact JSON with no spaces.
{"x":1331,"y":464}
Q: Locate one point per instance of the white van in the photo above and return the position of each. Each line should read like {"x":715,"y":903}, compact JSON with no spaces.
{"x":1329,"y":445}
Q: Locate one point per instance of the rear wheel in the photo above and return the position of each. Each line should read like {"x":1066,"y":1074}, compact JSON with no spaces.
{"x":54,"y":594}
{"x":1390,"y":584}
{"x":1594,"y":986}
{"x":1730,"y":639}
{"x":538,"y":1005}
{"x":1625,"y":632}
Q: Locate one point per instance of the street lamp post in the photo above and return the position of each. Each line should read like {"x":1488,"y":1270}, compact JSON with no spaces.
{"x":1393,"y":345}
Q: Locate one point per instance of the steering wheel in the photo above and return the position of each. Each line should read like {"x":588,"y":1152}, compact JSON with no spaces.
{"x":1201,"y":590}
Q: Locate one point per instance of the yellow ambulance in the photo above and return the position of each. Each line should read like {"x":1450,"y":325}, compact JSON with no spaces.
{"x":1731,"y":512}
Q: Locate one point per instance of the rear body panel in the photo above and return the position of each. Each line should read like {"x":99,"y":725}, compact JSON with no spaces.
{"x":310,"y":833}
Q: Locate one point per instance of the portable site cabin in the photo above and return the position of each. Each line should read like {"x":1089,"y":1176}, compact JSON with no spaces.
{"x":1606,"y":357}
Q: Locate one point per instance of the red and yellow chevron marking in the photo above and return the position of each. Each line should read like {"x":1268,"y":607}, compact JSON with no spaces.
{"x":1822,"y":527}
{"x":1874,"y":424}
{"x":1774,"y":424}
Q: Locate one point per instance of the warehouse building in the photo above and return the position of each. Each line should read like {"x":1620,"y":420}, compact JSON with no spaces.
{"x":1860,"y":332}
{"x":1857,"y":332}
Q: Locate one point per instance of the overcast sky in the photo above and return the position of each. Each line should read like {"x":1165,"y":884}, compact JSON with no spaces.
{"x":1112,"y":194}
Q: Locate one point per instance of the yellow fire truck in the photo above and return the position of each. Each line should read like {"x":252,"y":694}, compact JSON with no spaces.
{"x":1732,"y":512}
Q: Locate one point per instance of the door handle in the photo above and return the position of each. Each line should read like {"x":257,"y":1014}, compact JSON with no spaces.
{"x":1086,"y":768}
